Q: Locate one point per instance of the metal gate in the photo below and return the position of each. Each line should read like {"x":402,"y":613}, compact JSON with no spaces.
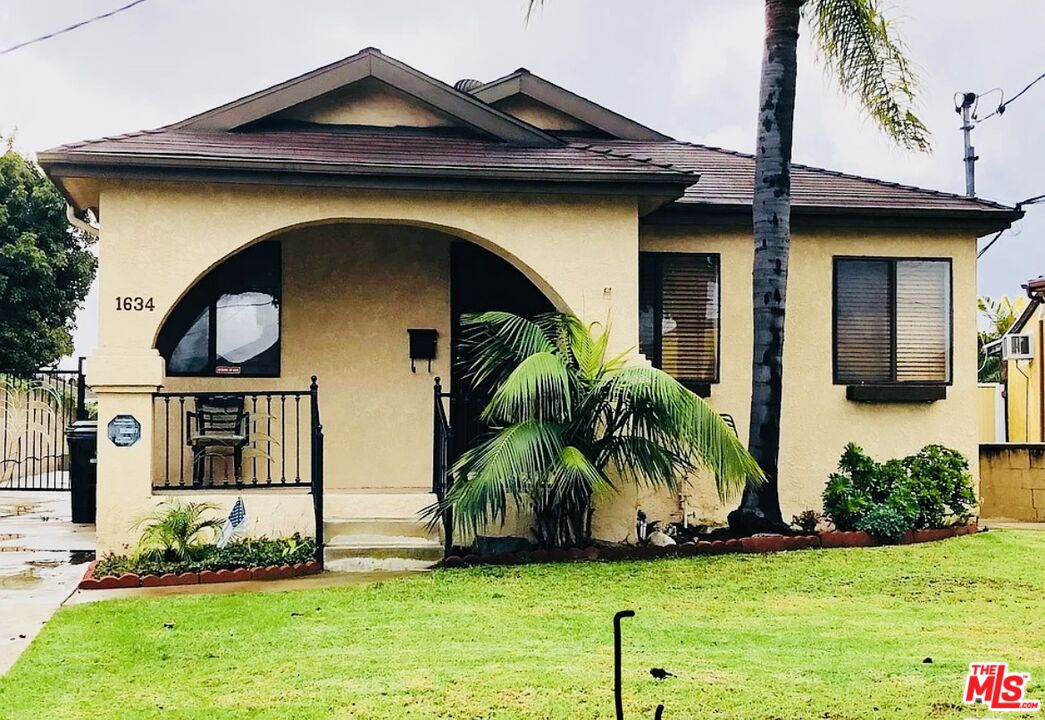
{"x":35,"y":409}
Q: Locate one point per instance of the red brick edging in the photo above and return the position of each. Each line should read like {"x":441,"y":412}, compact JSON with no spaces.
{"x":133,"y":580}
{"x":754,"y":544}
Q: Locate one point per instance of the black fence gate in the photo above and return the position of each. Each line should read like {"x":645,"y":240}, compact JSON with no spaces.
{"x":35,"y":409}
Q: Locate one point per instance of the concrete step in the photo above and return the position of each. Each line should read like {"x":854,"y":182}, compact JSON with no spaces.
{"x":368,"y":504}
{"x":383,"y":547}
{"x":397,"y":527}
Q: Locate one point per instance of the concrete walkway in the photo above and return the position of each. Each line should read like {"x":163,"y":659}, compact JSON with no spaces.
{"x":42,"y":556}
{"x":1003,"y":524}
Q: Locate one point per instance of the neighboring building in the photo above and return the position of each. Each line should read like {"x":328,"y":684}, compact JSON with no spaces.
{"x":304,"y":229}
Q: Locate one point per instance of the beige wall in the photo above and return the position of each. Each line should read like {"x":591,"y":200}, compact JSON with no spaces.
{"x":989,"y":407}
{"x":1024,"y":388}
{"x":159,"y":239}
{"x":1012,"y":481}
{"x":367,"y":102}
{"x":817,"y":420}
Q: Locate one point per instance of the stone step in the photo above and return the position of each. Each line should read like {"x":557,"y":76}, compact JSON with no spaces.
{"x":398,"y":527}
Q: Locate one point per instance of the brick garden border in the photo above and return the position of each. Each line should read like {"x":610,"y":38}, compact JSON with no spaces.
{"x":754,"y":544}
{"x":133,"y":580}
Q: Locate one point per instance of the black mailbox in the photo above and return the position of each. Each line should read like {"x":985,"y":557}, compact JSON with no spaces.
{"x":422,"y":346}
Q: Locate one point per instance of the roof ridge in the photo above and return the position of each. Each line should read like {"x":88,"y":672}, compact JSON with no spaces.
{"x":854,"y":176}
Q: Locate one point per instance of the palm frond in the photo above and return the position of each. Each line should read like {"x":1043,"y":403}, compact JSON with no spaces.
{"x":493,"y":343}
{"x":575,"y":479}
{"x":858,"y":46}
{"x":537,"y":389}
{"x":656,"y":407}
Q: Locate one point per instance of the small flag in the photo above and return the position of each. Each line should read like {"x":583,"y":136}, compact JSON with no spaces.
{"x":235,"y":524}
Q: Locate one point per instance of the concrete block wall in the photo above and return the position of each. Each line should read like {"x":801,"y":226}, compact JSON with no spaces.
{"x":1012,"y":481}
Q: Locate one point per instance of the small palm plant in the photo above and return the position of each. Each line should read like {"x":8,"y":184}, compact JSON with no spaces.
{"x":561,"y":414}
{"x":176,"y":531}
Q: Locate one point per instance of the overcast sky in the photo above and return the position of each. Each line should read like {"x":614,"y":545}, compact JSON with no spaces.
{"x":686,"y":67}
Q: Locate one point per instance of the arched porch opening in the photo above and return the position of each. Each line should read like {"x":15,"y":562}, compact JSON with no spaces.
{"x":336,"y":299}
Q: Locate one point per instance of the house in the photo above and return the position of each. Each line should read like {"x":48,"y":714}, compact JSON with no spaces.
{"x":1012,"y":418}
{"x":338,"y":224}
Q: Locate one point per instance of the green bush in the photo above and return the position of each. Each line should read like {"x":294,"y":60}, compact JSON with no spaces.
{"x":250,"y":552}
{"x":806,"y":521}
{"x":884,"y":520}
{"x":930,"y":489}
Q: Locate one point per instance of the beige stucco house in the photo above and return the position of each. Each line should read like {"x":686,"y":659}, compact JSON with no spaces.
{"x":305,"y":229}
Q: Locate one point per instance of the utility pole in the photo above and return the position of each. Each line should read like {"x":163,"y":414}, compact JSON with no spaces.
{"x":968,"y":99}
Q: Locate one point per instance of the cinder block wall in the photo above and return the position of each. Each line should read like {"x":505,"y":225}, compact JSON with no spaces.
{"x":1012,"y":481}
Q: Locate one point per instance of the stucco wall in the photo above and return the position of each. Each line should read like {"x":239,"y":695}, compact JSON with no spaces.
{"x":817,"y":419}
{"x":1012,"y":481}
{"x":989,"y":401}
{"x":1023,"y":391}
{"x":349,"y":295}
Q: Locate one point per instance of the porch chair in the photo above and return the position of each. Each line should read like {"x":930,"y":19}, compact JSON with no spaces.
{"x":218,"y":427}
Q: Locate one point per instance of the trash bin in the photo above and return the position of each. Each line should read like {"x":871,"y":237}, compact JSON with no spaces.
{"x":82,"y":436}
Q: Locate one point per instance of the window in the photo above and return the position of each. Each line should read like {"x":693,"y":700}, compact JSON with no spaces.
{"x":679,"y":315}
{"x":229,"y":323}
{"x":892,"y":321}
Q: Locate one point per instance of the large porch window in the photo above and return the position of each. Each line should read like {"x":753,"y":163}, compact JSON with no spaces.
{"x":229,"y":323}
{"x":679,"y":315}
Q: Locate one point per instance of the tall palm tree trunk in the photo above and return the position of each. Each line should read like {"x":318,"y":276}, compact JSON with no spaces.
{"x":771,"y":216}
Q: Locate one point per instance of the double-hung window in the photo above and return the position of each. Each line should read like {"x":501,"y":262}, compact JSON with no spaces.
{"x":892,"y":321}
{"x":679,"y":315}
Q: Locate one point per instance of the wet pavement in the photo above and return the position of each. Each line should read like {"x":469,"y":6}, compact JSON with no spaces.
{"x":42,"y":558}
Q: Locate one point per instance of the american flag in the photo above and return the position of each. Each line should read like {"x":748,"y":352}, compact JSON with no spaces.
{"x":235,"y":523}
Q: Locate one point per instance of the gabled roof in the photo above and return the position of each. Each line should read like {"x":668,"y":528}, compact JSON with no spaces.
{"x":523,"y":82}
{"x":370,"y":63}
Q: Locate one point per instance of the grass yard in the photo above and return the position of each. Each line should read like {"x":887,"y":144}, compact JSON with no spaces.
{"x":812,"y":634}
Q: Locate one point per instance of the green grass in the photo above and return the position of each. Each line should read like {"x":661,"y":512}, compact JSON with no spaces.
{"x":836,"y":634}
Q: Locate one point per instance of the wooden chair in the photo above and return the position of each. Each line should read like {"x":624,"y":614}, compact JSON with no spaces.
{"x":218,"y":427}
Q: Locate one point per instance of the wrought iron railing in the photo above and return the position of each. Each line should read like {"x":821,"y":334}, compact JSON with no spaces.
{"x":35,"y":409}
{"x":242,"y":439}
{"x":441,"y":446}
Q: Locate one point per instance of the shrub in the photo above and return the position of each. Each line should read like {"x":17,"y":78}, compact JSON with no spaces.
{"x":175,"y":531}
{"x":929,"y":489}
{"x":250,"y":552}
{"x":806,"y":521}
{"x":884,"y":520}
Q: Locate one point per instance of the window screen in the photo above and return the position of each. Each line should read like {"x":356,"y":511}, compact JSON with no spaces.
{"x":679,"y":314}
{"x":892,"y":320}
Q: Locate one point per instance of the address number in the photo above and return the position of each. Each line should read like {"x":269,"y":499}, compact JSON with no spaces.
{"x":136,"y":304}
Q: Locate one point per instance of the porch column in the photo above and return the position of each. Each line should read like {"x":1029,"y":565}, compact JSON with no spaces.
{"x":123,"y":381}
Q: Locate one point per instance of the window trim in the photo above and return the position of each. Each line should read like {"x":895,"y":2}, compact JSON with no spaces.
{"x":206,"y":285}
{"x":892,"y":260}
{"x":702,"y":386}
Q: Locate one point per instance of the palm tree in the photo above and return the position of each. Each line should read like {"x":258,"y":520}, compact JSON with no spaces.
{"x":561,"y":413}
{"x":856,"y":44}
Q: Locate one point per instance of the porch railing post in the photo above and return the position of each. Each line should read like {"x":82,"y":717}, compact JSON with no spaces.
{"x":317,"y":468}
{"x":441,"y":438}
{"x":81,"y":391}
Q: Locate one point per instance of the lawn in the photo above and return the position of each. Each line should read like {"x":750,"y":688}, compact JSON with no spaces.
{"x":810,"y":634}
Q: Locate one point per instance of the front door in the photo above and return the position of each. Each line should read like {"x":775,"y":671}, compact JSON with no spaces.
{"x":481,"y":281}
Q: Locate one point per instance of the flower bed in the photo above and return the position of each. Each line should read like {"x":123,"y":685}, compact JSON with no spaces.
{"x":248,"y":559}
{"x":753,"y":544}
{"x":92,"y":581}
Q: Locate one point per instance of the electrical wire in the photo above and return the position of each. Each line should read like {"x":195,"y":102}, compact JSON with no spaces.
{"x":1005,"y":103}
{"x":1019,"y":206}
{"x":72,"y":27}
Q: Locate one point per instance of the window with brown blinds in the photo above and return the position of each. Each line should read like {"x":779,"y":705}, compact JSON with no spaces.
{"x":679,"y":314}
{"x":892,"y":321}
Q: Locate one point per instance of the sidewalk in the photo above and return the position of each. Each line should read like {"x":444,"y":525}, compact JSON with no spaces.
{"x":42,"y":556}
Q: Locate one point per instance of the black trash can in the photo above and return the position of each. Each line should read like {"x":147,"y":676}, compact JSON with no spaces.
{"x":82,"y":436}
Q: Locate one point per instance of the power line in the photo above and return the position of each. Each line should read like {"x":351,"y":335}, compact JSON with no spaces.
{"x":1000,"y":110}
{"x":1019,"y":206}
{"x":80,"y":24}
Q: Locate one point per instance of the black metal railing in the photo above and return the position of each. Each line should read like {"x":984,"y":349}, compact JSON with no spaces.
{"x":35,"y":409}
{"x":238,"y":439}
{"x":317,"y":470}
{"x":441,"y":447}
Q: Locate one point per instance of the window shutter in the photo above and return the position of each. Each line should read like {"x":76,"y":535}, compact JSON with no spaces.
{"x":923,"y":333}
{"x":690,"y":316}
{"x":863,"y":327}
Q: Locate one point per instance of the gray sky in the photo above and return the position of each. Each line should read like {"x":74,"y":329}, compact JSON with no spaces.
{"x":686,"y":67}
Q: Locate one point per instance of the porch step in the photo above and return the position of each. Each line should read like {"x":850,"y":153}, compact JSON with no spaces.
{"x":387,"y":527}
{"x":383,"y":547}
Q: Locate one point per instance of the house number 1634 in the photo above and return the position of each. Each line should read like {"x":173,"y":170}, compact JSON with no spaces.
{"x":136,"y":304}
